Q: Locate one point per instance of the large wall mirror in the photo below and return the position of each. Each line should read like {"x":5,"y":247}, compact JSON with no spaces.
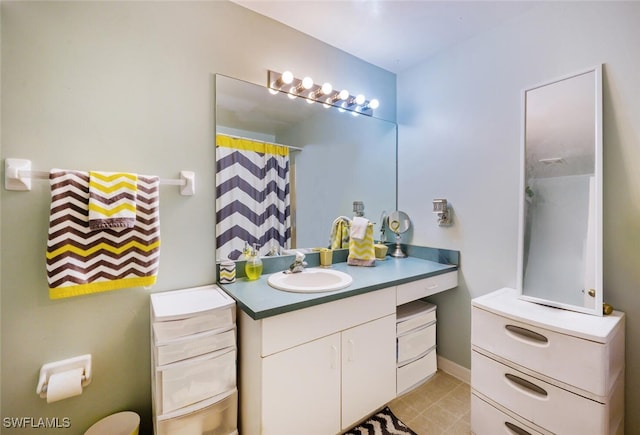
{"x":560,"y":249}
{"x":340,"y":157}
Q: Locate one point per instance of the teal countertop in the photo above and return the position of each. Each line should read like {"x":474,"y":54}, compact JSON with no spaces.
{"x":259,"y":300}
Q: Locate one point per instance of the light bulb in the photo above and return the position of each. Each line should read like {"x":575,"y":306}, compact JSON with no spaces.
{"x":287,"y":77}
{"x":292,"y":92}
{"x":273,"y":91}
{"x":344,"y":94}
{"x":374,"y":104}
{"x":326,"y":88}
{"x":360,"y":99}
{"x":307,"y":82}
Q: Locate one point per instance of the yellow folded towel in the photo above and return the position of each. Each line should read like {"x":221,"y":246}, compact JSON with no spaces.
{"x":112,"y":200}
{"x":362,"y":252}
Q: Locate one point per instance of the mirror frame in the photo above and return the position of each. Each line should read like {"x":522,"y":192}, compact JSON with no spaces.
{"x":598,"y":212}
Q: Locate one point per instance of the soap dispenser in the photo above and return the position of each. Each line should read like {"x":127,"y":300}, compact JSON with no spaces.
{"x":253,"y":265}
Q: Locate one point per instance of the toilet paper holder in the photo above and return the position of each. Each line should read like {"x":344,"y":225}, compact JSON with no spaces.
{"x":49,"y":369}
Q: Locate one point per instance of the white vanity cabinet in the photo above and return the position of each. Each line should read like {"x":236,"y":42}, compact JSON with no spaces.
{"x":540,"y":370}
{"x":318,"y":370}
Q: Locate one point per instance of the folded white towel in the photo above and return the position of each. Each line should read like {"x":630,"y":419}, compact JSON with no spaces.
{"x":358,"y":228}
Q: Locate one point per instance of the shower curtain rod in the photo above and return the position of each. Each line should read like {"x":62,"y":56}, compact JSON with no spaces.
{"x":262,"y":141}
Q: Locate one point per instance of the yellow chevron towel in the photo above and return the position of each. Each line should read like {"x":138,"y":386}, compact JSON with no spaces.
{"x":361,"y":251}
{"x":82,"y":261}
{"x":340,"y":233}
{"x":112,"y":200}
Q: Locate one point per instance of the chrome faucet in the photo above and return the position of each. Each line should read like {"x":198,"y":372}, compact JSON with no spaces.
{"x":298,"y":264}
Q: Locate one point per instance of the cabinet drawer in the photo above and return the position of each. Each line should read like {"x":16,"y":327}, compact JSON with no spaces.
{"x":186,"y":382}
{"x":301,"y":326}
{"x":488,"y":420}
{"x":426,"y":287}
{"x":416,"y":342}
{"x":411,"y":374}
{"x":556,"y":355}
{"x":541,"y":403}
{"x":194,"y":345}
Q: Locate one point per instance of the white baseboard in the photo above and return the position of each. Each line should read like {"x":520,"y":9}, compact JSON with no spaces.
{"x":455,"y":370}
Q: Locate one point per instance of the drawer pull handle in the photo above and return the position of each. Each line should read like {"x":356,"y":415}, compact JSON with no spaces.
{"x":527,"y":333}
{"x":523,"y":383}
{"x":516,"y":429}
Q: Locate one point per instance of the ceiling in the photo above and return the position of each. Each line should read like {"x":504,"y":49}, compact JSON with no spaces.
{"x":392,"y":34}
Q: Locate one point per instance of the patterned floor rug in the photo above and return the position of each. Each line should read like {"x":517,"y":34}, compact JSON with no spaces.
{"x":382,"y":423}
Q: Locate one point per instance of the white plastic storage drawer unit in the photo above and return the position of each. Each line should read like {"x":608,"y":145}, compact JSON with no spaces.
{"x":416,"y":343}
{"x":194,"y":361}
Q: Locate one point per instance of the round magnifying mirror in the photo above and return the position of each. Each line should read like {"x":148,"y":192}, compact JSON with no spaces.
{"x":398,"y":222}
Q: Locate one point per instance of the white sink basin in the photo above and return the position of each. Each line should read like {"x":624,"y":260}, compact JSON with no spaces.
{"x":310,"y":281}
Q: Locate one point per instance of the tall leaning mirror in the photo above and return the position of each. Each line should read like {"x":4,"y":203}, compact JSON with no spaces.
{"x":560,"y":244}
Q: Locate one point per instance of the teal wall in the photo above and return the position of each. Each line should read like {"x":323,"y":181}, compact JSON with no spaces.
{"x":459,"y":116}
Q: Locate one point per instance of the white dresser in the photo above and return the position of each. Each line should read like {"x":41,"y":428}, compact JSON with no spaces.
{"x":194,"y":362}
{"x":541,"y":370}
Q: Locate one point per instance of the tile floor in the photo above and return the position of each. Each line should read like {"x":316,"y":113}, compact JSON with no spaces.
{"x":439,"y":406}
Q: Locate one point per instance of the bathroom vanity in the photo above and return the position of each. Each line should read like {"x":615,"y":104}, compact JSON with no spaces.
{"x":537,"y":369}
{"x":318,"y":363}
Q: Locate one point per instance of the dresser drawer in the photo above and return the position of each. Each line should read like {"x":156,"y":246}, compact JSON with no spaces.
{"x":546,"y":405}
{"x":172,"y":329}
{"x":426,"y":287}
{"x":219,"y":418}
{"x":187,"y":382}
{"x":416,"y":342}
{"x":413,"y":373}
{"x":556,"y":355}
{"x":194,"y":345}
{"x":489,"y":420}
{"x":414,"y":315}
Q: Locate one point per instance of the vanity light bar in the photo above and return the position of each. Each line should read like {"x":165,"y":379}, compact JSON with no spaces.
{"x":322,"y":93}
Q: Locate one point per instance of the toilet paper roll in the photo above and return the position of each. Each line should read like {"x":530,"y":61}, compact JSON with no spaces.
{"x":64,"y":385}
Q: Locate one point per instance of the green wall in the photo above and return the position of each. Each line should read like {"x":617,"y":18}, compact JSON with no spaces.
{"x":124,"y":86}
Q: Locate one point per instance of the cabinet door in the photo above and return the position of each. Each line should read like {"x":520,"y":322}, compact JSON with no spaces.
{"x":368,"y":368}
{"x":301,"y":389}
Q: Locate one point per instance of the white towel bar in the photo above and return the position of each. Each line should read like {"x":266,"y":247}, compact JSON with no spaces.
{"x":18,"y":176}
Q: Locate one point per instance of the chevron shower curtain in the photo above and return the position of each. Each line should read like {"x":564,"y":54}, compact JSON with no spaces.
{"x":252,"y":196}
